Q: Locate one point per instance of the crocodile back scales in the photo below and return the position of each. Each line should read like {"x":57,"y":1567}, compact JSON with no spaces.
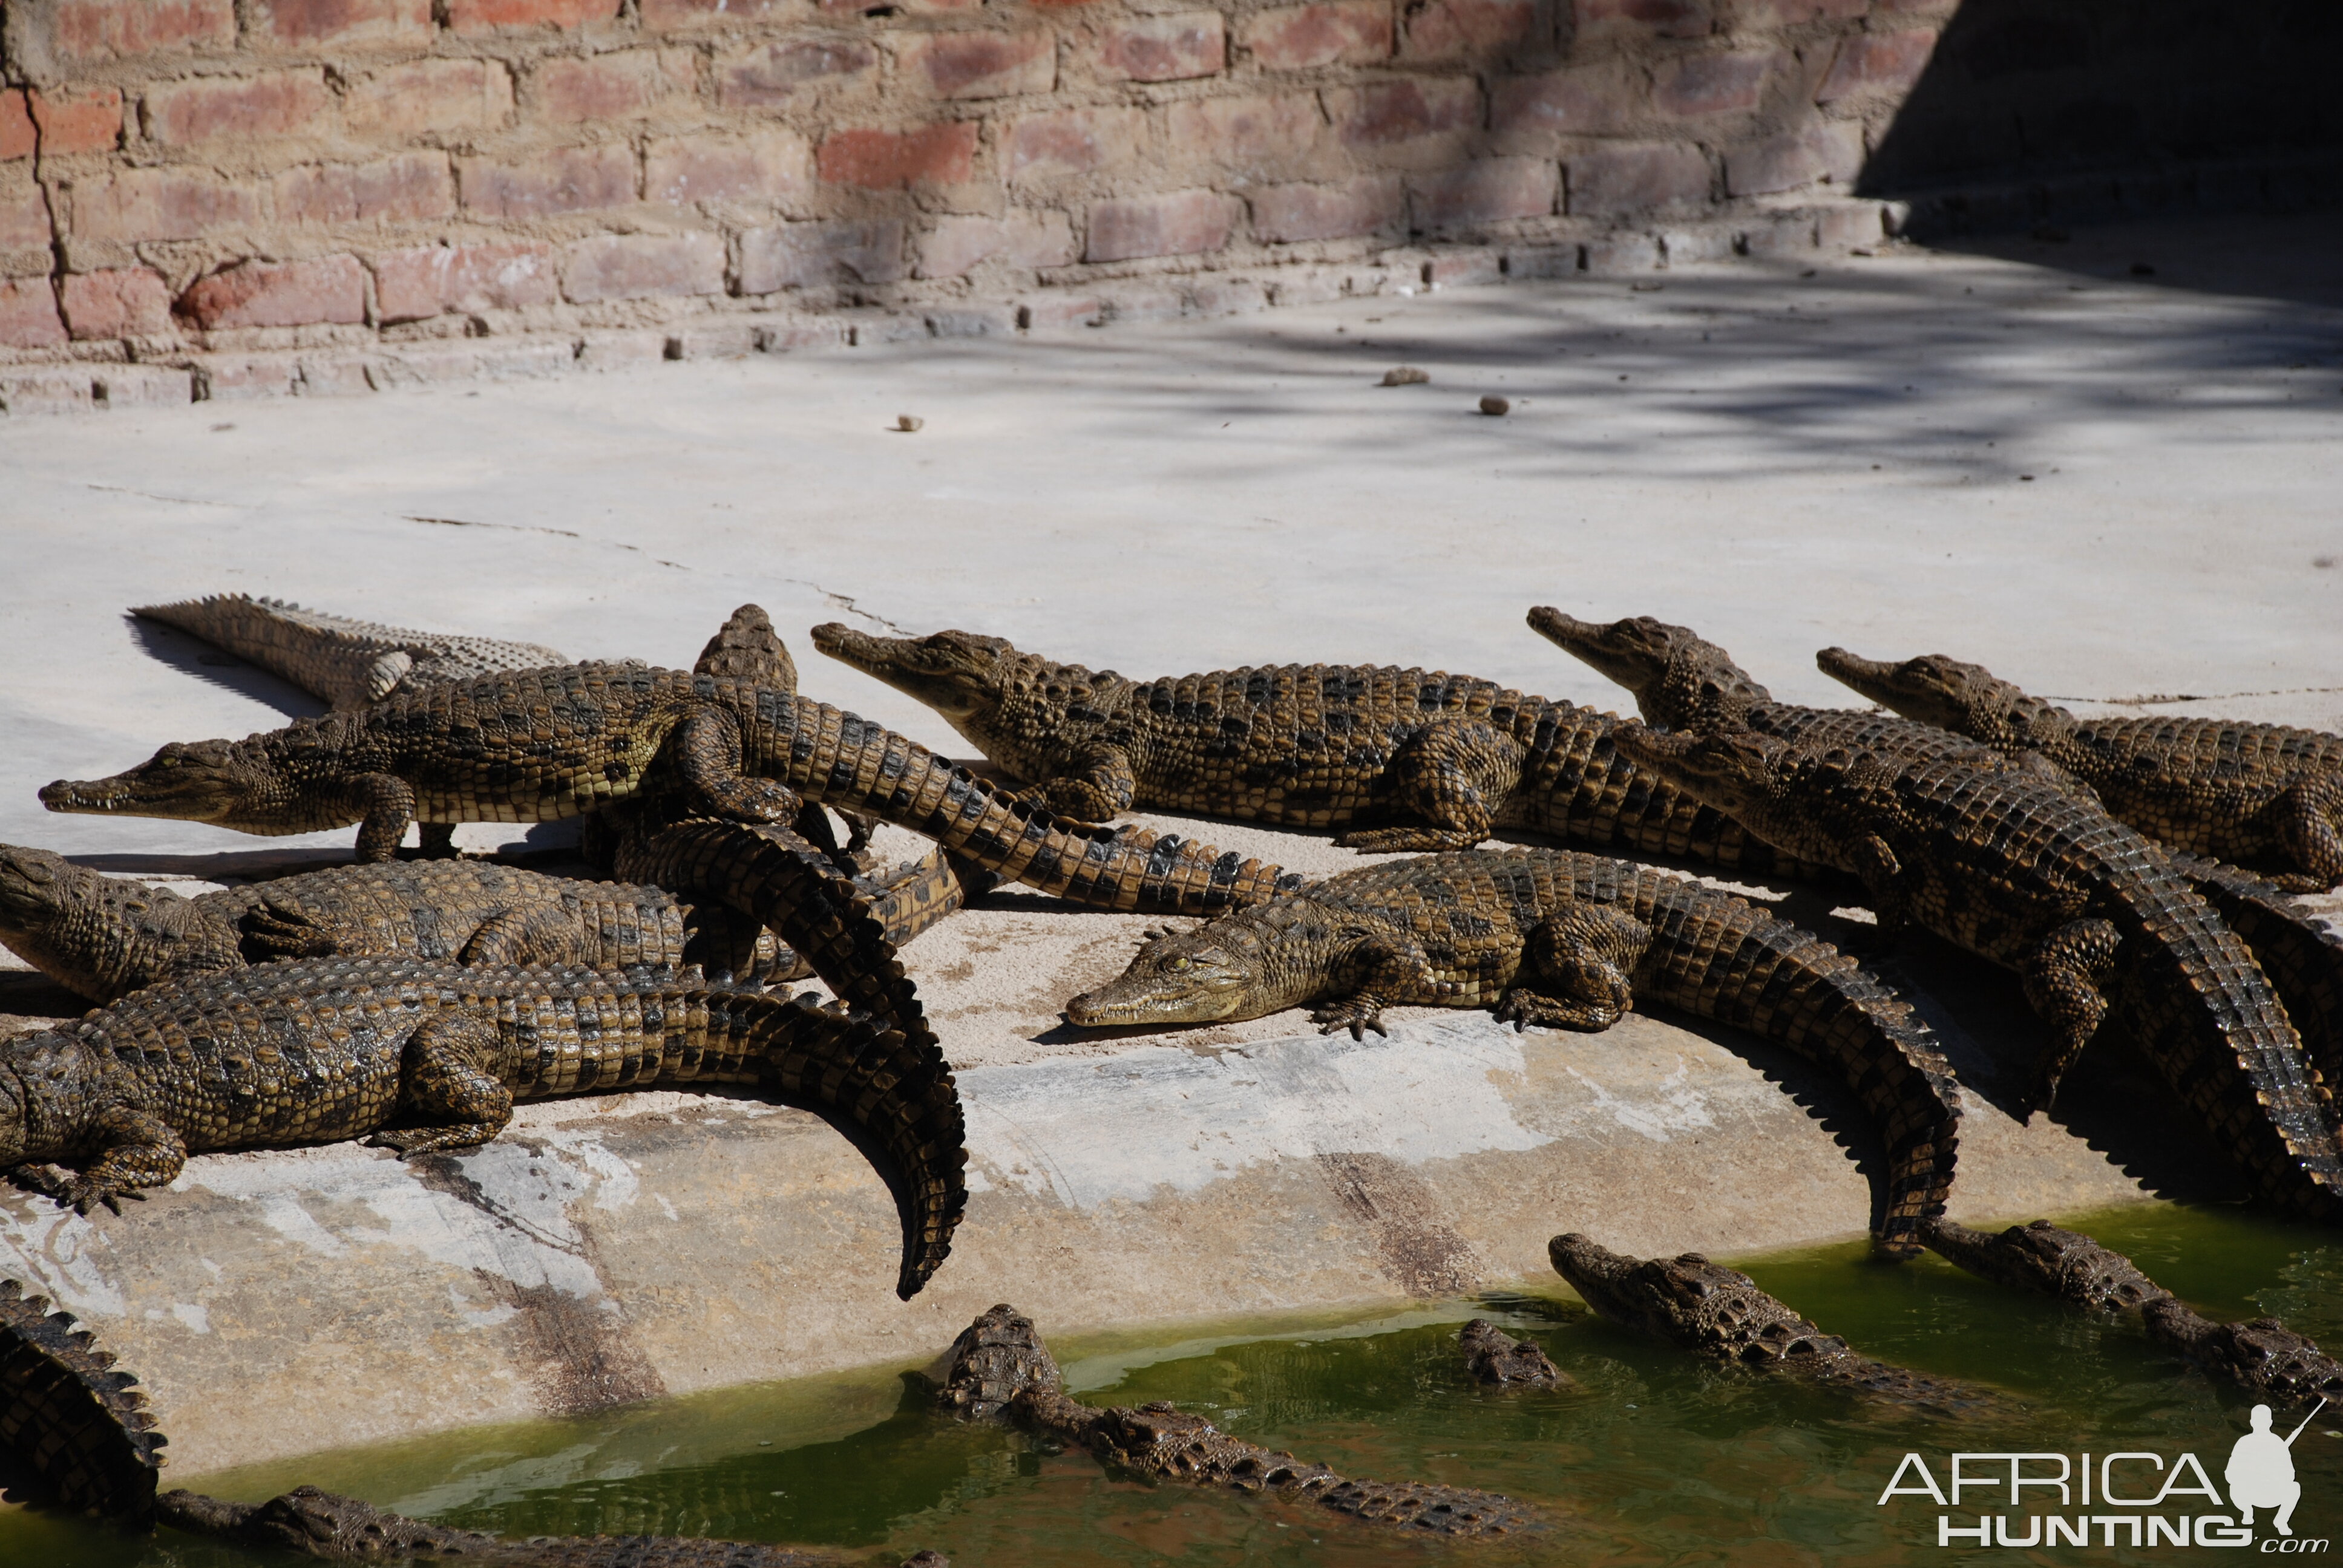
{"x":79,"y":1429}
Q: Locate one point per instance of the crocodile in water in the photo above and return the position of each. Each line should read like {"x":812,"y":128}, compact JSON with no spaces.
{"x":1496,"y":1357}
{"x":1555,"y":937}
{"x":420,"y":1057}
{"x":1000,"y":1366}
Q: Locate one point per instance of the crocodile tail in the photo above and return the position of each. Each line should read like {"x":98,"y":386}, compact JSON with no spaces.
{"x":1727,"y":961}
{"x":894,"y":1096}
{"x":79,"y":1430}
{"x":915,"y":895}
{"x":846,"y":762}
{"x":746,"y":648}
{"x":2303,"y":959}
{"x":323,"y":655}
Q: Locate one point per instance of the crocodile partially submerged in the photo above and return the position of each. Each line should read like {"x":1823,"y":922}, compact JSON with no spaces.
{"x":2261,"y":1354}
{"x":1719,"y":1313}
{"x":2218,"y":787}
{"x":2087,"y":912}
{"x":349,"y":663}
{"x":1000,"y":1368}
{"x":1572,"y":941}
{"x":1399,"y":759}
{"x":1494,"y":1356}
{"x":421,"y":1056}
{"x":543,"y":745}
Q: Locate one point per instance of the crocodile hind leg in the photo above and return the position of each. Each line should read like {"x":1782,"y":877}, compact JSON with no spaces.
{"x":2062,"y":977}
{"x":386,"y":805}
{"x":135,"y":1149}
{"x":445,"y":1083}
{"x":708,"y":752}
{"x":2306,"y":818}
{"x":1454,"y":774}
{"x":435,"y":841}
{"x":510,"y":938}
{"x":1098,"y":788}
{"x":1587,"y":953}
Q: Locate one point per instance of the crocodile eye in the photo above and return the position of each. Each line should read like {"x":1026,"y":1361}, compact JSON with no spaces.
{"x":1180,"y":963}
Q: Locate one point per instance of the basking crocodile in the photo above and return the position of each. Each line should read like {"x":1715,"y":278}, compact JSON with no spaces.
{"x":546,"y":744}
{"x":1000,"y":1367}
{"x":1569,"y":939}
{"x":1439,"y":760}
{"x":2087,"y":912}
{"x":2262,"y":1355}
{"x":1716,"y":1312}
{"x":349,"y":663}
{"x":2216,"y":786}
{"x":420,"y":1057}
{"x":1496,"y":1357}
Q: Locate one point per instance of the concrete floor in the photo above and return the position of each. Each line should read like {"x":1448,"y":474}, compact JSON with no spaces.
{"x":2114,"y":488}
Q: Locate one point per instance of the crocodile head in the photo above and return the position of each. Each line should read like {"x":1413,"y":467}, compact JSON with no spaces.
{"x":1690,"y":1302}
{"x":1222,"y":971}
{"x":1733,"y":770}
{"x":1678,"y":678}
{"x":35,"y":886}
{"x":957,"y":673}
{"x":1967,"y":699}
{"x":231,"y":783}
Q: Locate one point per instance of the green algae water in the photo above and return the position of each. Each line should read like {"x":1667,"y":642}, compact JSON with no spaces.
{"x":1652,"y":1457}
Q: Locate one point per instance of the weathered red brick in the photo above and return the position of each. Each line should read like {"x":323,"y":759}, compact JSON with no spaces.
{"x":1753,"y":15}
{"x":809,"y":255}
{"x":1488,"y":190}
{"x":641,"y":265}
{"x":16,"y":139}
{"x":941,"y":154}
{"x":1295,"y":37}
{"x":777,"y":167}
{"x":668,"y":16}
{"x":429,"y":95}
{"x":488,"y":16}
{"x":133,"y":205}
{"x":1164,"y":48}
{"x":1074,"y":141}
{"x":1821,"y":150}
{"x":1453,"y":29}
{"x":1642,"y":19}
{"x":23,"y":222}
{"x":572,"y":179}
{"x":70,"y":33}
{"x":1693,"y":86}
{"x":277,"y":104}
{"x":28,"y":314}
{"x":278,"y":294}
{"x":413,"y":186}
{"x":1405,"y":109}
{"x":1633,"y":177}
{"x":1264,"y":134}
{"x":77,"y":119}
{"x":344,"y":24}
{"x":776,"y":74}
{"x":620,"y":85}
{"x":1288,"y":214}
{"x":1177,"y":222}
{"x":1890,"y":61}
{"x":957,"y":245}
{"x":129,"y":302}
{"x":978,"y":65}
{"x":904,"y":7}
{"x":1583,"y":101}
{"x":412,"y":285}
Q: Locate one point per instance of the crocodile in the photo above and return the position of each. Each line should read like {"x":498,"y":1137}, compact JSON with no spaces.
{"x":1398,"y":758}
{"x":347,"y":663}
{"x":1719,"y":1313}
{"x":1570,"y":939}
{"x":1496,"y":1357}
{"x":543,"y":745}
{"x":2218,"y":787}
{"x":2261,"y":1355}
{"x":998,"y":1368}
{"x":420,"y":1057}
{"x":2023,"y":872}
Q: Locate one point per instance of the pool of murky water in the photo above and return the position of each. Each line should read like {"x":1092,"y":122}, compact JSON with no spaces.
{"x":1652,"y":1457}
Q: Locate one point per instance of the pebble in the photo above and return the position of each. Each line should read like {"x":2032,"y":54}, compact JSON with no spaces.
{"x":1405,"y":376}
{"x":908,"y":422}
{"x":1495,"y":406}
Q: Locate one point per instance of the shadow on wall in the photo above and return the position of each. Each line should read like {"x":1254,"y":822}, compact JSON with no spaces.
{"x":2016,"y":89}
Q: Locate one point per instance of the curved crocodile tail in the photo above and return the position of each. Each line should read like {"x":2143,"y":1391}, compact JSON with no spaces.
{"x":848,"y":762}
{"x":2302,"y":958}
{"x":1725,"y":959}
{"x":895,"y":1096}
{"x":79,"y":1429}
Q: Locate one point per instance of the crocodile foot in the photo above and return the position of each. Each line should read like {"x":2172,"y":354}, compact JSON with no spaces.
{"x":70,"y":1188}
{"x":1357,"y":1013}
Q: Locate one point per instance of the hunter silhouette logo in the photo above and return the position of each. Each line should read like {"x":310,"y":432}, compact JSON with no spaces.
{"x":2135,"y":1499}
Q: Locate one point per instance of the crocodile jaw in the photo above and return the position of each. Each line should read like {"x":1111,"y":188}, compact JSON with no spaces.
{"x":1157,"y":998}
{"x":950,"y":671}
{"x":1596,"y":1273}
{"x":1634,"y":652}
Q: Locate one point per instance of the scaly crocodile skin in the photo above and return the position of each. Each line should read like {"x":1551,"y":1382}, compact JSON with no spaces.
{"x":420,"y":1057}
{"x":1552,"y":936}
{"x":1496,"y":1357}
{"x":542,"y":745}
{"x":1440,"y":759}
{"x":2218,"y":787}
{"x":79,"y":1430}
{"x":1716,"y":1312}
{"x":349,"y":663}
{"x":998,"y":1365}
{"x":2090,"y":914}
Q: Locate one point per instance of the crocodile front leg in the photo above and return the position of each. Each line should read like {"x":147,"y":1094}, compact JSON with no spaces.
{"x":708,"y":754}
{"x":1589,"y":953}
{"x":136,"y":1148}
{"x":2062,"y":977}
{"x":1099,"y":786}
{"x":2306,"y":816}
{"x":445,"y":1081}
{"x":1455,"y":774}
{"x":1391,"y":971}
